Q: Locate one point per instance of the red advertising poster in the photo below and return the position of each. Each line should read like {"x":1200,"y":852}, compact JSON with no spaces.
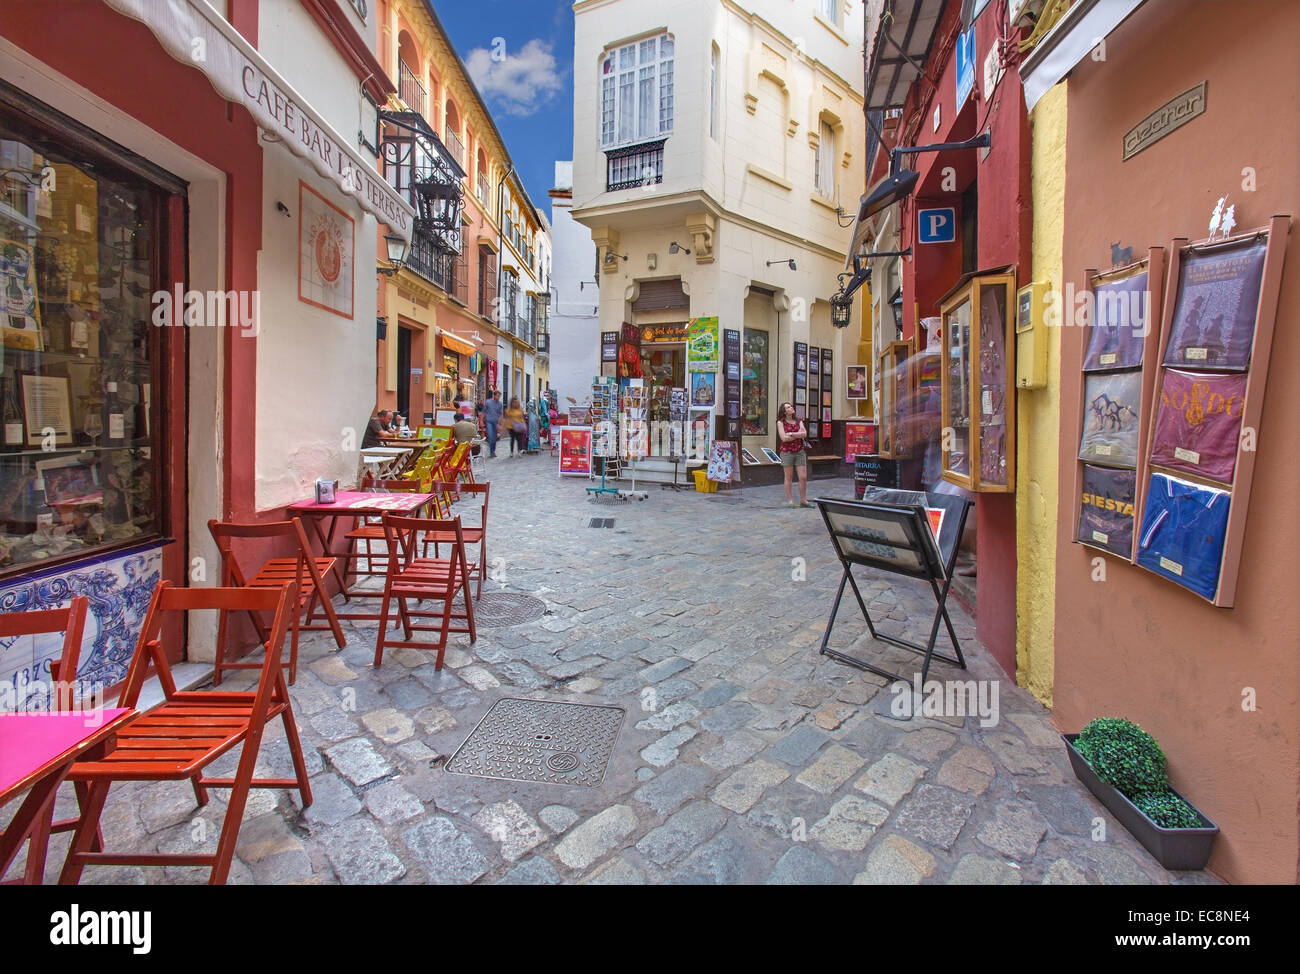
{"x":575,"y":451}
{"x":859,"y":438}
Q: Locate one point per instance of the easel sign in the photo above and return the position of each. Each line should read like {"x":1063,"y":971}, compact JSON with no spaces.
{"x":724,"y":462}
{"x":575,"y":451}
{"x":907,"y":533}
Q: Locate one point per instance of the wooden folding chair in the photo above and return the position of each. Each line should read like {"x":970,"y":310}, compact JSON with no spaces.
{"x":71,"y":621}
{"x":470,"y":534}
{"x":418,"y":579}
{"x":302,"y":568}
{"x":369,"y":531}
{"x":179,"y":738}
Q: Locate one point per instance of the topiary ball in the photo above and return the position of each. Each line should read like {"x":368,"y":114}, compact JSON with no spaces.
{"x":1125,"y":755}
{"x":1168,"y":810}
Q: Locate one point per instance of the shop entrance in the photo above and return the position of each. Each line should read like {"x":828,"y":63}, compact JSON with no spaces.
{"x":665,"y":369}
{"x":403,"y":370}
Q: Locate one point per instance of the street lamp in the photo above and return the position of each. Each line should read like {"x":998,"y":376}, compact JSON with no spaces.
{"x":396,"y":245}
{"x":841,"y":305}
{"x":789,"y":261}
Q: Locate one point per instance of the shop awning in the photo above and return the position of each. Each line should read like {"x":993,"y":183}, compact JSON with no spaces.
{"x":1069,"y":42}
{"x":188,"y":28}
{"x":901,"y":43}
{"x":450,"y":341}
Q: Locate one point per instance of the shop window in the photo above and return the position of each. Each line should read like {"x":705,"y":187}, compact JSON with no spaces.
{"x":81,"y":457}
{"x":754,"y":375}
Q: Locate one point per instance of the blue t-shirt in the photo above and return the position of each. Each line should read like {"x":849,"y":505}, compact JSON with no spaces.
{"x":1183,"y":529}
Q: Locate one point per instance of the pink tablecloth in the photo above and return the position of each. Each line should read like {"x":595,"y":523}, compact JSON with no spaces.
{"x":29,"y":741}
{"x":360,"y":501}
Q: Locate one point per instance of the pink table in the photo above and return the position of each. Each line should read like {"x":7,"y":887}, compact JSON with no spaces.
{"x":353,"y":504}
{"x":36,"y":751}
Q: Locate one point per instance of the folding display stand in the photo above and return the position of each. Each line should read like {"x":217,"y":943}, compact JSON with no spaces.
{"x":604,"y":413}
{"x":891,"y":530}
{"x":634,"y":406}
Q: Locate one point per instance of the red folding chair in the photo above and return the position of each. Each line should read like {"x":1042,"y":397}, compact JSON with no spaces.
{"x":469,"y":535}
{"x":418,"y":579}
{"x":370,"y":531}
{"x":71,"y":621}
{"x":301,"y":568}
{"x":179,"y":738}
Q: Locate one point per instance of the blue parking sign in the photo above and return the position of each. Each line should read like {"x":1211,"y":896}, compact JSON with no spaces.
{"x":938,"y":225}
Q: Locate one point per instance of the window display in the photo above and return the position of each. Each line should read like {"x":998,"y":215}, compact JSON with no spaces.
{"x":754,"y":372}
{"x":79,"y":464}
{"x":896,"y":400}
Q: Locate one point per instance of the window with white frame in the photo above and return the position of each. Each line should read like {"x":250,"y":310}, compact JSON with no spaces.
{"x":713,"y":92}
{"x":830,"y":10}
{"x":824,"y":176}
{"x":636,"y":92}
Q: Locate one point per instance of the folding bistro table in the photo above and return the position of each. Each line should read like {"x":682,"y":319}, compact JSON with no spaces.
{"x":895,"y":531}
{"x":36,"y":751}
{"x":349,"y":505}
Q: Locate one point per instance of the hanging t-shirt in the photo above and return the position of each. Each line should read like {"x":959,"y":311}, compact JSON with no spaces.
{"x":1120,"y":325}
{"x":1112,"y":403}
{"x":1183,"y":527}
{"x":1106,"y":508}
{"x":1218,"y":297}
{"x":1198,"y":423}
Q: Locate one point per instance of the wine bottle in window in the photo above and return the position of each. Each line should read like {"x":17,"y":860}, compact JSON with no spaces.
{"x":13,"y":416}
{"x":113,"y":410}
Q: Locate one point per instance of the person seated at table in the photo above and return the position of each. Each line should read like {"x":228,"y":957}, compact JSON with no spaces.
{"x":379,"y":430}
{"x":466,"y":430}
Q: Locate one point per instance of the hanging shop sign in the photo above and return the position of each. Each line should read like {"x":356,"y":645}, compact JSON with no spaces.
{"x":575,"y":451}
{"x":1171,"y":115}
{"x":492,"y":373}
{"x":702,"y":345}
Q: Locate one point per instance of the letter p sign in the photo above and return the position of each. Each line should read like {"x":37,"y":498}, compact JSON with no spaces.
{"x":937,"y":225}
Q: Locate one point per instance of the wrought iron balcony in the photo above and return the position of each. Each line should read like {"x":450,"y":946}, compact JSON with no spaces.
{"x":456,"y":147}
{"x":410,"y":90}
{"x":634,"y":165}
{"x":419,"y":166}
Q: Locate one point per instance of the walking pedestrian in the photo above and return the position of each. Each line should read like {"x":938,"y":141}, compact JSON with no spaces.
{"x":517,"y":425}
{"x":791,"y":432}
{"x":492,"y":419}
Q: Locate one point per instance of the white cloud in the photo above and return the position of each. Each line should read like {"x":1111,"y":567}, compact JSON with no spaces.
{"x":520,"y":82}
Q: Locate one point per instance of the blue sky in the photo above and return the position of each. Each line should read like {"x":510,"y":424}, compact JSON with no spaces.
{"x":520,"y":54}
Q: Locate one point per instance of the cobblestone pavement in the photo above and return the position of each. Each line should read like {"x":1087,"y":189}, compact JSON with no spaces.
{"x":745,"y":756}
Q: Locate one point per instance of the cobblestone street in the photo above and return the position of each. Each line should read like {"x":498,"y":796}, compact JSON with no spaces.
{"x":744,"y":755}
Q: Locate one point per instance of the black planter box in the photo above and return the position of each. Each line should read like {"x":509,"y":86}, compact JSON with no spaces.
{"x":1172,"y":848}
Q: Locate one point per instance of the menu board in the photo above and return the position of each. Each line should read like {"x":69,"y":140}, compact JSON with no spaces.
{"x":730,"y":399}
{"x":575,"y":451}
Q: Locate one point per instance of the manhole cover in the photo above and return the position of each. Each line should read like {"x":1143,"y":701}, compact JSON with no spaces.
{"x":535,"y":740}
{"x":496,"y":609}
{"x":601,"y":522}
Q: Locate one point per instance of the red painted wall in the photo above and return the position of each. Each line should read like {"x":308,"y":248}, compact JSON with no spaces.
{"x":1136,"y":645}
{"x":1004,"y":238}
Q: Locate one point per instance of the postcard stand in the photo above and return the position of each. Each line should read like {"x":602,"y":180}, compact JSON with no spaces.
{"x":890,"y":530}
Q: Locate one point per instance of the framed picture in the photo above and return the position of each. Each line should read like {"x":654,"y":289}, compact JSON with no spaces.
{"x":69,"y":482}
{"x":799,"y":413}
{"x":747,"y":458}
{"x":813,"y":430}
{"x":1122,"y":318}
{"x":1218,"y":299}
{"x":857,"y":384}
{"x":801,"y":361}
{"x":733,"y":370}
{"x":826,"y":361}
{"x":1112,"y":403}
{"x":771,"y":454}
{"x":826,"y":397}
{"x":801,"y":380}
{"x":702,"y":388}
{"x":47,"y":404}
{"x":826,"y":414}
{"x":326,"y":253}
{"x":800,"y":397}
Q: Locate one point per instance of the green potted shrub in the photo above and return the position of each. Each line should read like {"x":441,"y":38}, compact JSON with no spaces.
{"x":1125,"y":768}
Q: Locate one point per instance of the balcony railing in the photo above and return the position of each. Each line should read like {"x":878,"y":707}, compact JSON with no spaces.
{"x":634,"y":165}
{"x":484,"y":190}
{"x":410,"y":90}
{"x":456,"y":147}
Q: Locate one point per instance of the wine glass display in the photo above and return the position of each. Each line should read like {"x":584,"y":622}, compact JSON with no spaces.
{"x":93,"y":427}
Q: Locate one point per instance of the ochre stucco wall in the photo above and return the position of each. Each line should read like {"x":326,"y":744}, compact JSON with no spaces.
{"x":1136,"y":645}
{"x":1038,"y":417}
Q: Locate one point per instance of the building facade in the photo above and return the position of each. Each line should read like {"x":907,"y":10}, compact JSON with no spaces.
{"x":575,"y":312}
{"x":448,"y":329}
{"x":192,"y":243}
{"x":712,"y":144}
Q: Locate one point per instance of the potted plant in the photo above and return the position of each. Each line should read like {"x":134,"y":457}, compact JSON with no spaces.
{"x":1124,"y":767}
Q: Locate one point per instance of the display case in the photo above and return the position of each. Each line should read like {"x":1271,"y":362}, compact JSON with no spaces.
{"x":896,"y":399}
{"x":978,"y":434}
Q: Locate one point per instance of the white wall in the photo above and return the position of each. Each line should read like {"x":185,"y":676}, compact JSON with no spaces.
{"x":575,"y":322}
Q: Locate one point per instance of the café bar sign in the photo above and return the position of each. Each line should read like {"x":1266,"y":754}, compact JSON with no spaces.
{"x":193,"y":33}
{"x":1169,"y":116}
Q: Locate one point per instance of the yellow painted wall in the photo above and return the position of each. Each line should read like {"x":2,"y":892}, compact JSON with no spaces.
{"x":1038,"y":414}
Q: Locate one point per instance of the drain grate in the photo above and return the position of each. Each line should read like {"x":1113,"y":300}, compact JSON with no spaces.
{"x":496,"y":610}
{"x":536,"y":740}
{"x":601,"y":522}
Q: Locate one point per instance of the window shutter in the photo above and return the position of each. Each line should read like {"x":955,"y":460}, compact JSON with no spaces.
{"x":661,"y":296}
